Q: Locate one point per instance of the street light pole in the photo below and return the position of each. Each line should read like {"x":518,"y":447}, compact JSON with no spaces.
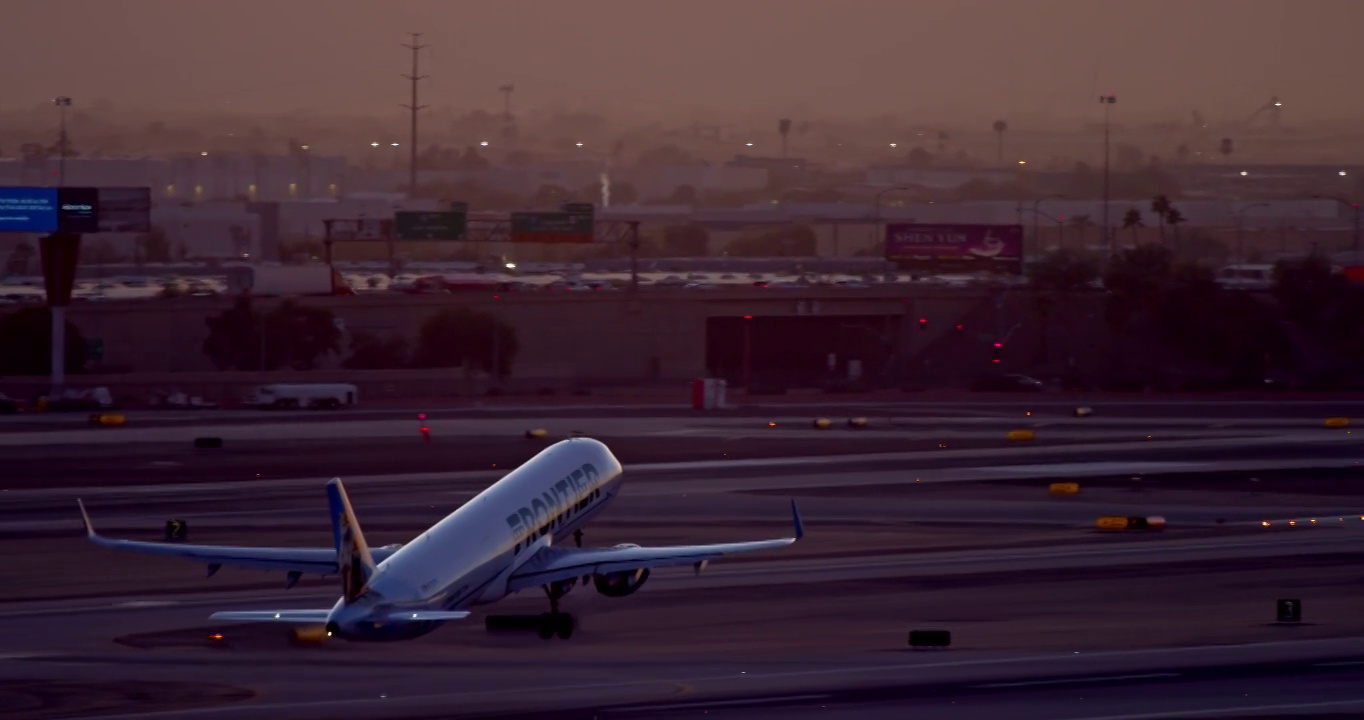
{"x":876,"y":216}
{"x":1354,"y":245}
{"x":1036,"y":214}
{"x":1240,"y":237}
{"x":62,"y":104}
{"x":1107,"y":101}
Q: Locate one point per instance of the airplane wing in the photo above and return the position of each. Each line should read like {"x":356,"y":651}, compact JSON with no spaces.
{"x":554,"y":564}
{"x":311,"y":617}
{"x":319,"y":561}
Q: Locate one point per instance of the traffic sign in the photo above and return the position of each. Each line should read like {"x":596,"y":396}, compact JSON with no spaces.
{"x":430,"y":225}
{"x":552,"y":227}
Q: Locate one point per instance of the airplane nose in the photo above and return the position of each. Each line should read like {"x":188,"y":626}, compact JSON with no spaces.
{"x":333,"y":628}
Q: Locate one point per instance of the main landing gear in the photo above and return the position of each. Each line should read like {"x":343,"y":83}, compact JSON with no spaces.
{"x":554,"y":622}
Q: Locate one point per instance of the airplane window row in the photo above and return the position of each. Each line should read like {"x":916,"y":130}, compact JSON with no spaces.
{"x":558,"y":520}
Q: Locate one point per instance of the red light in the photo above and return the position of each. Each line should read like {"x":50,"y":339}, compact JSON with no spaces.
{"x":960,"y":327}
{"x":496,"y":297}
{"x":999,"y":345}
{"x":421,"y":416}
{"x":923,"y":321}
{"x":995,"y":360}
{"x":748,"y":317}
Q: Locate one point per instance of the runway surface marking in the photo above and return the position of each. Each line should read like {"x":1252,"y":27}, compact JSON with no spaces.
{"x":1090,"y":657}
{"x":719,"y":704}
{"x":1234,"y":711}
{"x":975,"y":473}
{"x":956,"y":562}
{"x":1073,"y":681}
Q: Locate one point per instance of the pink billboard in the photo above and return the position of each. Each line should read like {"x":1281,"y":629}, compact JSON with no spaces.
{"x":997,"y":248}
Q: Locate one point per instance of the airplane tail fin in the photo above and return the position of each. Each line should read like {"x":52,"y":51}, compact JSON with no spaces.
{"x":353,"y":558}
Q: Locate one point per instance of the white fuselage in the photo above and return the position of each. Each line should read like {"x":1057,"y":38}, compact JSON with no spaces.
{"x":467,"y":558}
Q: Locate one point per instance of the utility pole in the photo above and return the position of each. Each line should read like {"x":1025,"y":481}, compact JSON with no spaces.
{"x":634,"y":256}
{"x":1107,"y":101}
{"x":62,"y":104}
{"x":415,"y":47}
{"x":506,"y":91}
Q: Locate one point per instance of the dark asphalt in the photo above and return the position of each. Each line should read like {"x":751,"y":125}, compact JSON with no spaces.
{"x":904,"y":406}
{"x":1192,"y":690}
{"x":244,"y":460}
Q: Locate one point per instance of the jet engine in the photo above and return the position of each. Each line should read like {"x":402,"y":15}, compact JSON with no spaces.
{"x":620,"y":584}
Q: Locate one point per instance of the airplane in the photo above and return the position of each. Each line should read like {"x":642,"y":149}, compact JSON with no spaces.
{"x":502,"y":541}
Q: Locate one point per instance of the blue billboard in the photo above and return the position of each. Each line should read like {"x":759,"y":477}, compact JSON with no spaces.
{"x":28,"y":210}
{"x":75,"y":210}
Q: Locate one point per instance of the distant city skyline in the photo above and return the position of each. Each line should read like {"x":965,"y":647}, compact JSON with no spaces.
{"x":947,"y":59}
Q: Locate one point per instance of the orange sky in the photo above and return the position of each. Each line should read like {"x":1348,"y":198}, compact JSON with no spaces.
{"x":806,"y":58}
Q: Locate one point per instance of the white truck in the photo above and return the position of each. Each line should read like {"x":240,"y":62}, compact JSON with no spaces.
{"x":326,"y":396}
{"x":285,"y":280}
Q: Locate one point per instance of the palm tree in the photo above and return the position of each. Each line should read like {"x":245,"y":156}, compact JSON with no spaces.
{"x":1081,"y":223}
{"x":1000,"y":128}
{"x":1161,"y":207}
{"x":1131,"y":220}
{"x":1174,"y":217}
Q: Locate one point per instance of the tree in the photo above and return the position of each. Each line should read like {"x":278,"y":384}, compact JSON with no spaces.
{"x":472,"y":339}
{"x":792,"y":241}
{"x":1161,"y":207}
{"x":1056,"y":277}
{"x":155,"y":248}
{"x":242,"y":338}
{"x":26,"y":343}
{"x":685,"y":241}
{"x":1000,"y":128}
{"x":548,"y":195}
{"x":1133,"y":278}
{"x":369,"y":351}
{"x":1174,"y":219}
{"x":20,"y":258}
{"x":298,"y":336}
{"x":623,"y":193}
{"x":1082,"y":224}
{"x":1306,"y":288}
{"x":919,"y":157}
{"x":1224,"y":329}
{"x":666,"y":155}
{"x":683,"y":195}
{"x":1131,"y":220}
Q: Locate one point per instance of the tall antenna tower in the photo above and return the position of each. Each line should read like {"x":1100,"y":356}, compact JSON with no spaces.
{"x":506,"y":91}
{"x":415,"y":47}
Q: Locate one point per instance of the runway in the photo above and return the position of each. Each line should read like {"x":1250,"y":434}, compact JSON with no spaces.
{"x":964,"y":539}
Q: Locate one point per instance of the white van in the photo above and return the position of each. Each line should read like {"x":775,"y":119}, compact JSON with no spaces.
{"x":1246,"y":277}
{"x":301,"y":395}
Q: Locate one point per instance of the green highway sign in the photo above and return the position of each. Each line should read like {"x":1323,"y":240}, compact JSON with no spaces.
{"x":552,"y":227}
{"x":430,"y":225}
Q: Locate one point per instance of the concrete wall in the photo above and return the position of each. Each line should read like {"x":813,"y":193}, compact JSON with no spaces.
{"x":569,"y":339}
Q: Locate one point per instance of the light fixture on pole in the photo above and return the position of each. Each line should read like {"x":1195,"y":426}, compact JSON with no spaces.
{"x":1240,"y":237}
{"x":876,"y":218}
{"x":1354,"y":245}
{"x":1036,"y":213}
{"x":1108,"y":101}
{"x":62,"y":104}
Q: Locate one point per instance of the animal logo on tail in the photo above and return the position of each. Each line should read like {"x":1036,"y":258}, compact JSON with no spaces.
{"x":353,"y":559}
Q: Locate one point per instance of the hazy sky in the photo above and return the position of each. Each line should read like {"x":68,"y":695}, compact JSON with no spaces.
{"x":809,"y":58}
